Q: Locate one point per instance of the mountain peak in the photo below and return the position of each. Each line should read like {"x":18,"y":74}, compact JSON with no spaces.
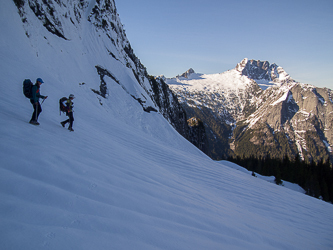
{"x":261,"y":70}
{"x":240,"y":66}
{"x":264,"y":73}
{"x":188,"y":73}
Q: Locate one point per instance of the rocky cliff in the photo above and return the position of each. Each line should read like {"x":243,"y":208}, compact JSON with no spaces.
{"x":84,"y":28}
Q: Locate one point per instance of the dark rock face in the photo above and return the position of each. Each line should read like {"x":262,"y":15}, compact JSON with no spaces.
{"x":188,"y":73}
{"x":262,"y":70}
{"x":174,"y":112}
{"x":258,"y":70}
{"x":296,"y":120}
{"x":197,"y":133}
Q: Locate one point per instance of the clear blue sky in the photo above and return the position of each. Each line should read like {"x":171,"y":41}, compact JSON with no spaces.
{"x":212,"y":36}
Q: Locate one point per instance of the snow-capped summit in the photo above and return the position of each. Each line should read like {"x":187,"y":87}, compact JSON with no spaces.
{"x":188,"y":73}
{"x":244,"y":74}
{"x":263,"y":97}
{"x":240,"y":66}
{"x":264,"y":73}
{"x":225,"y":92}
{"x":191,"y":81}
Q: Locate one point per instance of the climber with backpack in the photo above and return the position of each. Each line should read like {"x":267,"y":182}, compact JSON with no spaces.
{"x":32,"y":92}
{"x":66,"y":105}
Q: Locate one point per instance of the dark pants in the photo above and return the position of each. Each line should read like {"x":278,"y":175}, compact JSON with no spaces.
{"x":37,"y":111}
{"x":70,"y":120}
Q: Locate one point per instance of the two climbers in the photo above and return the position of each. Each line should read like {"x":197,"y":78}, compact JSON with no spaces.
{"x":32,"y":91}
{"x":66,"y":105}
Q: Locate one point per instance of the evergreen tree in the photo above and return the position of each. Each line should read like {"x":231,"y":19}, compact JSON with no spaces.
{"x":315,"y":178}
{"x":278,"y":180}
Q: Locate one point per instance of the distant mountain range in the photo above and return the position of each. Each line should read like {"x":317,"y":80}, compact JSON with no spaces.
{"x":257,"y":109}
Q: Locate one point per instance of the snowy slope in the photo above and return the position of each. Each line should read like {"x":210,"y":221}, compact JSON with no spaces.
{"x":228,"y":91}
{"x":223,"y":93}
{"x":210,"y":82}
{"x":124,"y":179}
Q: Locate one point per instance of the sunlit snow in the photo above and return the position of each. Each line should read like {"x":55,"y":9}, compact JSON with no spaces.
{"x":125,"y":179}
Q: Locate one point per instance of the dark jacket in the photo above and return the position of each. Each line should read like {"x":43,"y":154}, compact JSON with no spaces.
{"x":36,"y":94}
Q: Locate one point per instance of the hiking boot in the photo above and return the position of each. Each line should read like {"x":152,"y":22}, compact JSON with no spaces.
{"x":70,"y":129}
{"x":34,"y":122}
{"x":63,"y":124}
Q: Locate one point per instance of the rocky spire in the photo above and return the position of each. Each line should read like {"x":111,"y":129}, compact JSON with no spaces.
{"x":188,"y":73}
{"x":262,"y":70}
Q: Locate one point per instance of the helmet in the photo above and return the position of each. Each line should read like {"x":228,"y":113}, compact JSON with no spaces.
{"x":71,"y":96}
{"x":39,"y":80}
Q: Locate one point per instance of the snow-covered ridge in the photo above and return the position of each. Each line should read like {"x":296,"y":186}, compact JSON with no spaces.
{"x":264,"y":73}
{"x":230,"y":80}
{"x":214,"y":91}
{"x":235,"y":95}
{"x":225,"y":93}
{"x":245,"y":72}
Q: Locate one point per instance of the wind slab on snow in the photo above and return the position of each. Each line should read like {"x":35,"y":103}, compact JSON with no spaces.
{"x":125,"y":179}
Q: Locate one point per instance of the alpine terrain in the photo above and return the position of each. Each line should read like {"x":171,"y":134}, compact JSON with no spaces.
{"x":126,"y":178}
{"x":257,"y":109}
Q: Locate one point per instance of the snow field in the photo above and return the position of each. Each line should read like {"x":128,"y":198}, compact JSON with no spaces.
{"x":125,"y":179}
